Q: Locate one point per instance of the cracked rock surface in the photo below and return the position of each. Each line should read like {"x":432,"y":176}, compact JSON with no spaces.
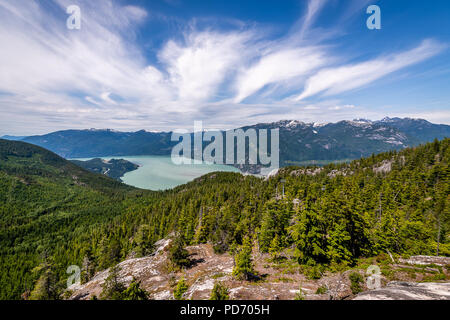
{"x":408,"y":291}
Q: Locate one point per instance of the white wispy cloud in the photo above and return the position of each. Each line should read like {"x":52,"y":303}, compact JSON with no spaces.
{"x":54,"y":78}
{"x":43,"y":56}
{"x":337,"y":80}
{"x":276,"y":67}
{"x":314,"y":8}
{"x":198,"y":66}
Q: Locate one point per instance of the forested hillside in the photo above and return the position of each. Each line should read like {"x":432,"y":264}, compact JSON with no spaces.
{"x":113,"y":168}
{"x":45,"y":202}
{"x":54,"y":214}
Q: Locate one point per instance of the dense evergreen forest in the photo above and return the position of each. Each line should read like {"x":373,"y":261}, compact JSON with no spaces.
{"x":54,"y":214}
{"x":113,"y":168}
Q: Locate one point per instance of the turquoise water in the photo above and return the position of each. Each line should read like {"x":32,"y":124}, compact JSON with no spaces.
{"x":160,"y":173}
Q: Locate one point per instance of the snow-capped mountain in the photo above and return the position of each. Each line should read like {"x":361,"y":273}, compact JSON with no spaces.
{"x":300,"y":142}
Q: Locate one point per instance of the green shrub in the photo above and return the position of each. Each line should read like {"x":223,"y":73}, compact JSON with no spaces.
{"x":300,"y":295}
{"x":180,"y":289}
{"x":314,"y":272}
{"x":219,"y":292}
{"x":356,"y":281}
{"x":321,"y":290}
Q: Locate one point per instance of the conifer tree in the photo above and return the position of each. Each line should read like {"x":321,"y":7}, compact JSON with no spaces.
{"x":135,"y":292}
{"x":143,"y":241}
{"x":88,"y":267}
{"x":178,"y":255}
{"x":113,"y":288}
{"x":243,"y":268}
{"x":46,"y":287}
{"x":275,"y":248}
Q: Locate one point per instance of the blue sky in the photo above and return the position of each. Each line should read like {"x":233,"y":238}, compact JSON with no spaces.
{"x":160,"y":65}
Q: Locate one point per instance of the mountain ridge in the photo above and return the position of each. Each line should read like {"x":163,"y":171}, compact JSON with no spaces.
{"x":300,"y":142}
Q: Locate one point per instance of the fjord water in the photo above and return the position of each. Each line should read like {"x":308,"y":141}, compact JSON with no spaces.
{"x":160,"y":173}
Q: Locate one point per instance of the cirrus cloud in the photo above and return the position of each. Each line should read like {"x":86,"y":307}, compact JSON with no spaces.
{"x":54,"y":78}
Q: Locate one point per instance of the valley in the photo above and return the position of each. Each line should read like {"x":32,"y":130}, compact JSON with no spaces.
{"x":159,"y":172}
{"x":330,"y":221}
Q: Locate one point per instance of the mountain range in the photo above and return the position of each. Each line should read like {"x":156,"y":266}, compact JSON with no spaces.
{"x":300,"y":143}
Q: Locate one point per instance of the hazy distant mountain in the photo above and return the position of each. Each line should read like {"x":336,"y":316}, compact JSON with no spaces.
{"x":419,"y":129}
{"x":102,"y":143}
{"x":300,"y":142}
{"x":13,"y":138}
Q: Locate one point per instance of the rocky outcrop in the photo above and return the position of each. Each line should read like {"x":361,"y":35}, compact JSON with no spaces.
{"x":275,"y":281}
{"x":384,"y":167}
{"x":149,"y":270}
{"x":207,"y":268}
{"x":427,"y":260}
{"x":309,"y":172}
{"x":408,"y":291}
